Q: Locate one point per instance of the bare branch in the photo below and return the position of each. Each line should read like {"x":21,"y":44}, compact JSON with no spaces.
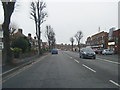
{"x":39,"y":17}
{"x":78,"y":37}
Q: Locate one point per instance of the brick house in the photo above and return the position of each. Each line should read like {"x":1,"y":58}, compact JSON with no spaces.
{"x":88,"y":42}
{"x":114,"y":41}
{"x":99,"y":40}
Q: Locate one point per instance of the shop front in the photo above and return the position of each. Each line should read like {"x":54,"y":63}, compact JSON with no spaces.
{"x":111,"y":45}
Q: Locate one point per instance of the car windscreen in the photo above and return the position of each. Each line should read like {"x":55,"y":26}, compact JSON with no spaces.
{"x":88,"y":50}
{"x":54,"y":50}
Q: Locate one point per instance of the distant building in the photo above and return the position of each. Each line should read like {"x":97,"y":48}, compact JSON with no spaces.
{"x":88,"y":42}
{"x":99,"y":40}
{"x":45,"y":45}
{"x":1,"y":38}
{"x":105,"y":40}
{"x":18,"y":34}
{"x":63,"y":46}
{"x":35,"y":43}
{"x":69,"y":46}
{"x":31,"y":41}
{"x":114,"y":40}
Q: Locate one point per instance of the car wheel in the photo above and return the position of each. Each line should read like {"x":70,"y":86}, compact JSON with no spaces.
{"x":94,"y":58}
{"x":82,"y":57}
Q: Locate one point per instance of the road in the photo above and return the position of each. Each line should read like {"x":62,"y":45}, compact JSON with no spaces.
{"x":0,"y":57}
{"x":65,"y":70}
{"x":0,"y":67}
{"x":0,"y":61}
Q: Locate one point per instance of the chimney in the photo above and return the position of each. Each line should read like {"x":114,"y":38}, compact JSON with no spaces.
{"x":20,"y":30}
{"x":29,"y":34}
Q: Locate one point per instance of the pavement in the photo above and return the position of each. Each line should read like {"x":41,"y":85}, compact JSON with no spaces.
{"x":65,"y":70}
{"x":8,"y":68}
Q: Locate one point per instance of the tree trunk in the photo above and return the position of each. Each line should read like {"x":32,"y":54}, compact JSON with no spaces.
{"x":79,"y":46}
{"x":8,"y":9}
{"x":72,"y":46}
{"x":39,"y":28}
{"x":39,"y":47}
{"x":49,"y":44}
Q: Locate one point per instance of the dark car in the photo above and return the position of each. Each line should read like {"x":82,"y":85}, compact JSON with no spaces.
{"x":54,"y":51}
{"x":87,"y":53}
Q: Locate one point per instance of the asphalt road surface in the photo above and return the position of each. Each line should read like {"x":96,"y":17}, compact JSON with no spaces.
{"x":0,"y":61}
{"x":65,"y":70}
{"x":0,"y":57}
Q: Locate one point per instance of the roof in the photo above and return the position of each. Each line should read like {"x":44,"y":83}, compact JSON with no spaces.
{"x":18,"y":34}
{"x":98,"y":34}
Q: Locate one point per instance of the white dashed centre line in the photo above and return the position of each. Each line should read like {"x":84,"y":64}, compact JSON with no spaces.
{"x":76,"y":61}
{"x":70,"y":57}
{"x":114,"y":83}
{"x":89,"y":68}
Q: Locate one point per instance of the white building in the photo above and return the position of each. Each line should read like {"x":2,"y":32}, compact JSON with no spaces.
{"x":1,"y":37}
{"x":119,"y":15}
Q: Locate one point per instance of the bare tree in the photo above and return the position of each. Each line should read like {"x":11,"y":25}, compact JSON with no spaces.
{"x":78,"y":37}
{"x":38,"y":15}
{"x":47,"y":34}
{"x":53,"y":40}
{"x":72,"y":41}
{"x":50,"y":35}
{"x":8,"y":8}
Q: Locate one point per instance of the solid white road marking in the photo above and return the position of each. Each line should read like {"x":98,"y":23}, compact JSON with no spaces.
{"x":9,"y":70}
{"x":76,"y":61}
{"x":114,"y":83}
{"x":89,"y":68}
{"x":108,"y":61}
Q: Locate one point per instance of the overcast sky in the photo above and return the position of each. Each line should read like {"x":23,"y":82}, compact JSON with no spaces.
{"x":68,"y":16}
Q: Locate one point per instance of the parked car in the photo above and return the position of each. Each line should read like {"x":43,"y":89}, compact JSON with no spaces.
{"x":107,"y":52}
{"x":87,"y":53}
{"x":54,"y":51}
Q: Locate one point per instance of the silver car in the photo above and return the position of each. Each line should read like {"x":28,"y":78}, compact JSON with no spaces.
{"x":107,"y":52}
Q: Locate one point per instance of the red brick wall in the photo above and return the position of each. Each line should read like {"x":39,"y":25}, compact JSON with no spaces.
{"x":117,"y":34}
